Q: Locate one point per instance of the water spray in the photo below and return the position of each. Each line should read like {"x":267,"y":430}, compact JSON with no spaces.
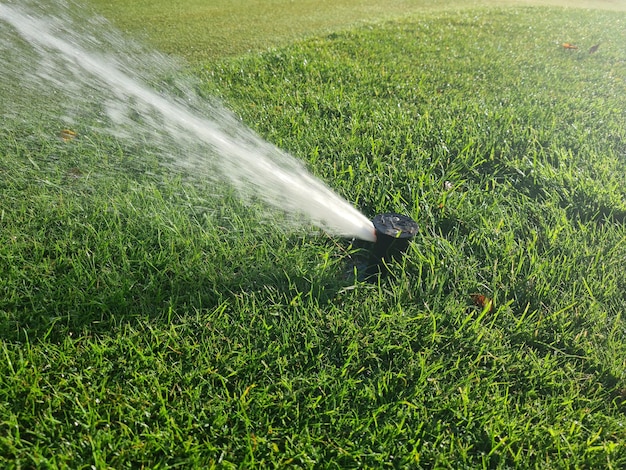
{"x":81,"y":66}
{"x":78,"y":63}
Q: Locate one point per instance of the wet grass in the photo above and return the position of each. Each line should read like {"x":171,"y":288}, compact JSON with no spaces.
{"x":146,"y":322}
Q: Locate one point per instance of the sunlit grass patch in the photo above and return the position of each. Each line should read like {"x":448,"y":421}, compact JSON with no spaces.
{"x":148,"y":319}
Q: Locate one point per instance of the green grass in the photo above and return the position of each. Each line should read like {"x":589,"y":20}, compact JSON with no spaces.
{"x":145,"y":322}
{"x":199,"y":30}
{"x":207,"y":30}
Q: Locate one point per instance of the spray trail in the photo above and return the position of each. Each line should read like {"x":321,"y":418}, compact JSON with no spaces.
{"x":59,"y":53}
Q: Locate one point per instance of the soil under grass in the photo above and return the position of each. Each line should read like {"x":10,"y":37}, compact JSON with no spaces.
{"x":147,"y":322}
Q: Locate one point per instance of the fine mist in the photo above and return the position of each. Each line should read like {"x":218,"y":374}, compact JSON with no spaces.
{"x":59,"y":51}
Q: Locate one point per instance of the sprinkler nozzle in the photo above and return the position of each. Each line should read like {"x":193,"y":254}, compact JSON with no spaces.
{"x":393,"y":234}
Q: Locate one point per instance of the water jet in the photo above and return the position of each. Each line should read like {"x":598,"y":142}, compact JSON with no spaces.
{"x":60,"y":53}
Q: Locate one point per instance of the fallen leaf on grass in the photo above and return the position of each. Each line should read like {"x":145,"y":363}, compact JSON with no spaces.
{"x":67,"y":135}
{"x":482,"y":301}
{"x":567,"y":45}
{"x":593,"y":49}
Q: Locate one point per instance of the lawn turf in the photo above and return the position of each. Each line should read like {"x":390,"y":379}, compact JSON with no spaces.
{"x":146,"y":323}
{"x":199,"y":30}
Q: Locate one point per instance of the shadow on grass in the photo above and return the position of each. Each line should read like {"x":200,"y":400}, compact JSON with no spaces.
{"x":582,"y":202}
{"x":74,"y":300}
{"x":132,"y":253}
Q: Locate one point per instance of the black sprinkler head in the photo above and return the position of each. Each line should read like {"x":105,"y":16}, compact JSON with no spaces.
{"x":393,"y":234}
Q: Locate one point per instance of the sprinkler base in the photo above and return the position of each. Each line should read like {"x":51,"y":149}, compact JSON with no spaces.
{"x":393,"y":235}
